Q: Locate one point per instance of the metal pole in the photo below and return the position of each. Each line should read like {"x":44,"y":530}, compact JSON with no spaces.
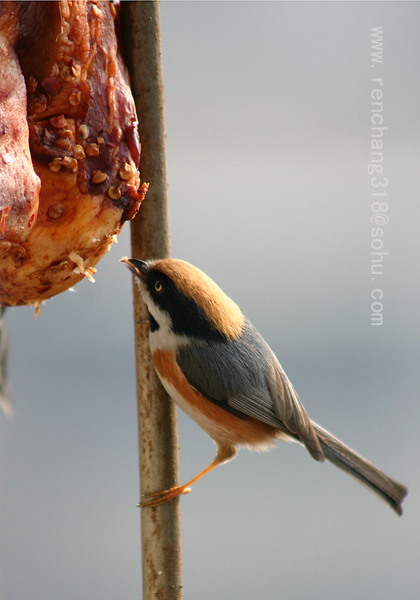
{"x":158,"y":437}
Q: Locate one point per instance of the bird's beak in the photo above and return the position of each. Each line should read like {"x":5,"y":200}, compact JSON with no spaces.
{"x":138,"y":267}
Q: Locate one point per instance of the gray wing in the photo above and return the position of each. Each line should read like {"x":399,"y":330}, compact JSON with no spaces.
{"x":245,"y":378}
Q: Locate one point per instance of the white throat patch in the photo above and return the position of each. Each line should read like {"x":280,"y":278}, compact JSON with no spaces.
{"x":163,"y":338}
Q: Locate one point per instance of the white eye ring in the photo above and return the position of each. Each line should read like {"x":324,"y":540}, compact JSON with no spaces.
{"x":158,"y":286}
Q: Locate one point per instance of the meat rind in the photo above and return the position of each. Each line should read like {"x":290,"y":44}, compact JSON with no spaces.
{"x":19,"y":185}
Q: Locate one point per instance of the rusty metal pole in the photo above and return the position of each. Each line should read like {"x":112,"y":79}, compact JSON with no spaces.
{"x":158,"y":437}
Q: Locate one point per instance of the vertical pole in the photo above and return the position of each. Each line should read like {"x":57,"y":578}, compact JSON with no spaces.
{"x":158,"y":438}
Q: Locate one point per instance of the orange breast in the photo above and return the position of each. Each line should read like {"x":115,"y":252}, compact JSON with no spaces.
{"x":221,"y":425}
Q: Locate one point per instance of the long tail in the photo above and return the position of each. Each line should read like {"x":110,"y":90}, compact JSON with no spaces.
{"x":389,"y":490}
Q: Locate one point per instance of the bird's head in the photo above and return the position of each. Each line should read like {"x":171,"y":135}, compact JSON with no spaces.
{"x":182,"y":299}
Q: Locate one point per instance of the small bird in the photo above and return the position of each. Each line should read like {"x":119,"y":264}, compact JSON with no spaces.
{"x":218,"y":369}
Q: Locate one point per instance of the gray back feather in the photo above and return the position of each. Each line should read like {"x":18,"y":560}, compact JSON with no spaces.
{"x":244,"y":375}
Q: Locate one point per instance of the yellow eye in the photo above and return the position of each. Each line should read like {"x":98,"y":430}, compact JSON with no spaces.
{"x":158,"y":286}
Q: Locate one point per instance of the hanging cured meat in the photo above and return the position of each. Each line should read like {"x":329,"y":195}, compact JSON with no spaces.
{"x":69,"y":147}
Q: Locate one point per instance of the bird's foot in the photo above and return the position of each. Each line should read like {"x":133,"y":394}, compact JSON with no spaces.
{"x":158,"y":498}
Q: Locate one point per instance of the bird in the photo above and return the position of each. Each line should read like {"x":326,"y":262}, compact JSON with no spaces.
{"x":218,"y":369}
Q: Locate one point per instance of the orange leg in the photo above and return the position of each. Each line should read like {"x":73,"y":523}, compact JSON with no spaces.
{"x":224,"y":454}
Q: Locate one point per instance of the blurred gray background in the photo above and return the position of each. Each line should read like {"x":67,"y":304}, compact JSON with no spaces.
{"x":268,"y":133}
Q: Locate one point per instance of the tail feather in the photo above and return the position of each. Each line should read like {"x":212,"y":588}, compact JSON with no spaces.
{"x":389,"y":490}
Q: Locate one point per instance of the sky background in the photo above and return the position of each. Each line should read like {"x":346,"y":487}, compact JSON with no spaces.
{"x":268,"y":140}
